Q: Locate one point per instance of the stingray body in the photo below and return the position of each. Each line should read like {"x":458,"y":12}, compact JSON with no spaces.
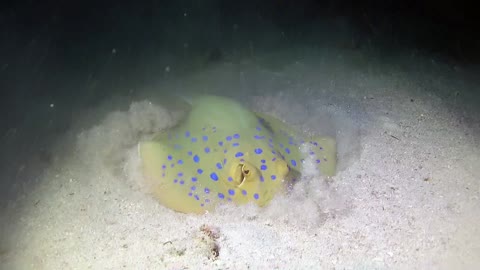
{"x":223,"y":152}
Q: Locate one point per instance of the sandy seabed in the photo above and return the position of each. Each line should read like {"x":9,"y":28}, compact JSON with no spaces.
{"x":406,"y":195}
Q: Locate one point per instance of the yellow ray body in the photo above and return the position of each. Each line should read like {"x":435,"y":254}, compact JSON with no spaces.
{"x":223,"y":152}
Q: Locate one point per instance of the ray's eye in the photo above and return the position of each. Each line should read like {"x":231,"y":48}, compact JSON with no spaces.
{"x":245,"y":171}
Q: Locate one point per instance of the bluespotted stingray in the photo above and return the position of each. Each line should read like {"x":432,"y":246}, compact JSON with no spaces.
{"x":223,"y":152}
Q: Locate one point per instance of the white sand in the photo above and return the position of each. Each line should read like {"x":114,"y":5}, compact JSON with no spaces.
{"x":406,"y":195}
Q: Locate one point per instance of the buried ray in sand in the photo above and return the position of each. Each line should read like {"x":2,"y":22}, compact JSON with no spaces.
{"x":223,"y":152}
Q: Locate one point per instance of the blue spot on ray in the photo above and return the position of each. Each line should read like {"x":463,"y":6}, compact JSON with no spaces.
{"x":263,"y":167}
{"x":287,"y":150}
{"x":221,"y":196}
{"x":294,"y":163}
{"x":187,"y":134}
{"x":194,"y":139}
{"x":258,"y":151}
{"x":205,"y":138}
{"x":220,"y":143}
{"x":239,"y":154}
{"x":206,"y":190}
{"x":207,"y":149}
{"x":229,"y":138}
{"x":236,"y":136}
{"x":196,"y":159}
{"x":244,"y":192}
{"x":256,"y":196}
{"x":273,"y":177}
{"x":214,"y":176}
{"x":194,"y":179}
{"x":169,"y":157}
{"x":199,"y":171}
{"x":219,"y":166}
{"x":231,"y":192}
{"x":180,"y":162}
{"x":235,"y":144}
